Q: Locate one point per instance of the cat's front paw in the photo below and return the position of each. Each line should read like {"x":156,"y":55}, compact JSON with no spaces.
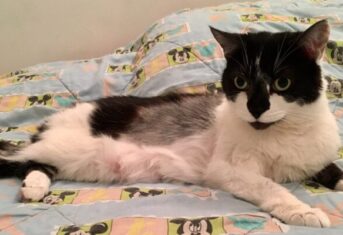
{"x":35,"y":186}
{"x":304,"y":216}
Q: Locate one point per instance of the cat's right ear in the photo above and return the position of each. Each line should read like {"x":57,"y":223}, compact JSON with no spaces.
{"x":228,"y":41}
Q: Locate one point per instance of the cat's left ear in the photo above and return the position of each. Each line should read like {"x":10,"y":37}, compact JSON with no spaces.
{"x":314,"y":39}
{"x":228,"y":41}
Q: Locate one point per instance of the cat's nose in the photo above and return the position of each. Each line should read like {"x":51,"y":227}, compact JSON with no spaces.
{"x":258,"y":107}
{"x":258,"y":99}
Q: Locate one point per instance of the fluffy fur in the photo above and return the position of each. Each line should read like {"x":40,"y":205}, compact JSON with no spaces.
{"x":244,"y":141}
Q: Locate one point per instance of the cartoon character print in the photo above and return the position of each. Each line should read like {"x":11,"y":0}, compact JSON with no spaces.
{"x":252,"y":17}
{"x":214,"y":88}
{"x":11,"y":146}
{"x":136,"y":192}
{"x":340,"y":152}
{"x":138,"y":44}
{"x":181,"y":55}
{"x":98,"y":228}
{"x":312,"y":184}
{"x":8,"y":129}
{"x":11,"y":74}
{"x":315,"y":188}
{"x":160,"y":37}
{"x":118,"y":68}
{"x":17,"y":142}
{"x":54,"y":199}
{"x":335,"y":53}
{"x":26,"y":77}
{"x":138,"y":79}
{"x":150,"y":44}
{"x":334,"y":89}
{"x":122,"y":50}
{"x":112,"y":68}
{"x":19,"y":72}
{"x":201,"y":226}
{"x":209,"y":88}
{"x":146,"y":47}
{"x":43,"y":99}
{"x":303,"y":20}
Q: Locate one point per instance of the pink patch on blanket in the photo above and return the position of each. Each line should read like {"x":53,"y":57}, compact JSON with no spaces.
{"x":94,"y":195}
{"x":7,"y":225}
{"x":137,"y":226}
{"x":335,"y":215}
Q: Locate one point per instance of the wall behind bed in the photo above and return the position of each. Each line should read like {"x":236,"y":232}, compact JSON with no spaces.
{"x":39,"y":31}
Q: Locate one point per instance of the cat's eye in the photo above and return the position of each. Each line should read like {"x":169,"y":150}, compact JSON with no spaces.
{"x":282,"y":84}
{"x":240,"y":83}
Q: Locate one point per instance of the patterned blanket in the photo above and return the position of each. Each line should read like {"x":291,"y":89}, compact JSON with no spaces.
{"x":152,"y":65}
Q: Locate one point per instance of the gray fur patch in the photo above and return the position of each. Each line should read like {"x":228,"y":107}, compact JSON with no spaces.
{"x":163,"y":124}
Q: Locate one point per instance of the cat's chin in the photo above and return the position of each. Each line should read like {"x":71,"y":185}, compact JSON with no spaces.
{"x":261,"y":125}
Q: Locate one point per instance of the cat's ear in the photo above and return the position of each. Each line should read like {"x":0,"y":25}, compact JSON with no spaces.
{"x":315,"y":38}
{"x":228,"y":41}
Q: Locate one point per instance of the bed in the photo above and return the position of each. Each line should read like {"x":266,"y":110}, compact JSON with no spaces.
{"x":153,"y":65}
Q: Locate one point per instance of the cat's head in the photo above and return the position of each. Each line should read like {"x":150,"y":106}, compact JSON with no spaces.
{"x":272,"y":75}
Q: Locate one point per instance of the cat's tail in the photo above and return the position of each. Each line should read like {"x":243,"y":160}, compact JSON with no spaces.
{"x":10,"y":166}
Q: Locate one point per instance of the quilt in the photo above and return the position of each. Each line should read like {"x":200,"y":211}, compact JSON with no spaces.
{"x":179,"y":54}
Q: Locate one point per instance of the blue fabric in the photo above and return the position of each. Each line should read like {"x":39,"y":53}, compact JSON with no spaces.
{"x":148,"y":67}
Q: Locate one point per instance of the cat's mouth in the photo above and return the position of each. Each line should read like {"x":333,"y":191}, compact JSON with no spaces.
{"x":261,"y":125}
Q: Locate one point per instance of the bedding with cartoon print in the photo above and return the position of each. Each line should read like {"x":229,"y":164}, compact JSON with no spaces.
{"x":177,"y":53}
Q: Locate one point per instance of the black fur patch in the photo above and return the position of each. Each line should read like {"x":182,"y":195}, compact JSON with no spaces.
{"x":129,"y":115}
{"x":329,"y":176}
{"x":21,"y":169}
{"x":29,"y":166}
{"x":304,"y":73}
{"x":262,"y":58}
{"x":37,"y":137}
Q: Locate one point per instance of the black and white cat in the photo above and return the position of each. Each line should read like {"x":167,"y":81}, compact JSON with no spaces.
{"x":272,"y":124}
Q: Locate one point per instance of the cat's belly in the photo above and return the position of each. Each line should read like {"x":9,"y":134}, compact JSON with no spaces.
{"x":121,"y":160}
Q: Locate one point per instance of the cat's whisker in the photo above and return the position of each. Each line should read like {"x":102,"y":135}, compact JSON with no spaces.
{"x":241,"y":66}
{"x":289,"y":50}
{"x":288,"y":54}
{"x":279,"y":53}
{"x":245,"y":54}
{"x":280,"y":68}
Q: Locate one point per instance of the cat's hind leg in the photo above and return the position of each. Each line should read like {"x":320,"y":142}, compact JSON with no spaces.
{"x":36,"y":176}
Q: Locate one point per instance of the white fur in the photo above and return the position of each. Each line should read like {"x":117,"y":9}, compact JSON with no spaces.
{"x":35,"y":186}
{"x":231,"y":156}
{"x":278,"y":109}
{"x":297,"y":147}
